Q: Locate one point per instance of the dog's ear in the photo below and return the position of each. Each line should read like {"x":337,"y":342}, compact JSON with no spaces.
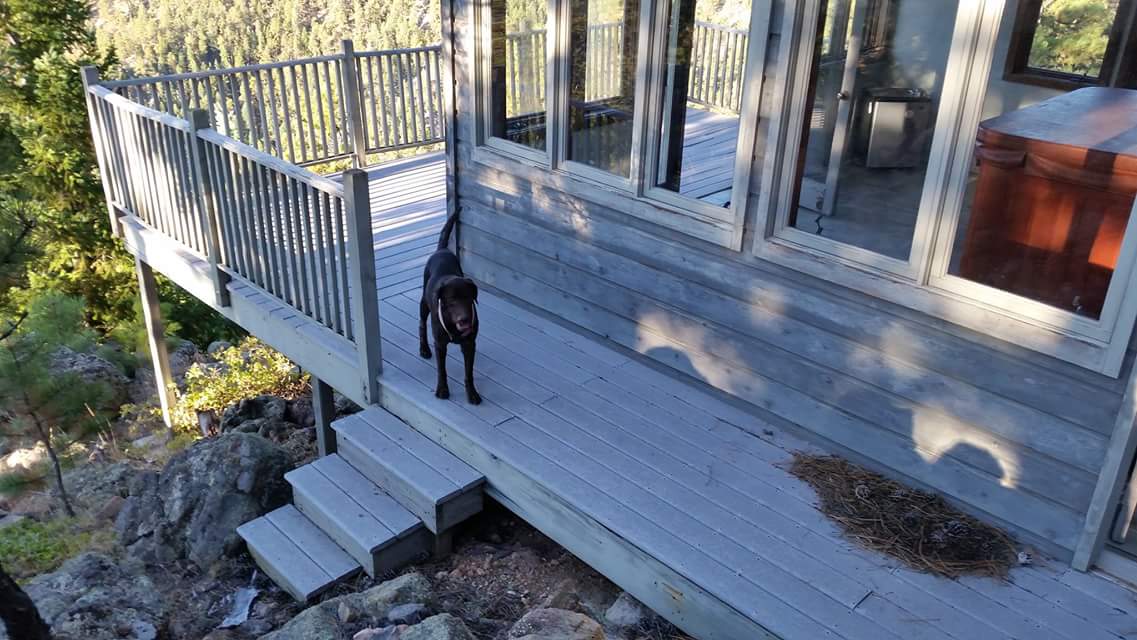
{"x":473,"y":289}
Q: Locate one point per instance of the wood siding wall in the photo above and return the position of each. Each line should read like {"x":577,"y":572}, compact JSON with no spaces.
{"x":1010,"y":435}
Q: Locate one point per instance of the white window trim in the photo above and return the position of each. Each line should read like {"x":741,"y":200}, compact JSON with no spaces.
{"x":922,"y":282}
{"x":482,"y":63}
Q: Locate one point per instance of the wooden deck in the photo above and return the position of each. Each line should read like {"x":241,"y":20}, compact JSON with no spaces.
{"x":710,"y":139}
{"x":661,"y":486}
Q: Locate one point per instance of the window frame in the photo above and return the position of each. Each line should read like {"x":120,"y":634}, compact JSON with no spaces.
{"x":1122,"y":46}
{"x":923,"y":282}
{"x":483,"y":97}
{"x":630,"y":195}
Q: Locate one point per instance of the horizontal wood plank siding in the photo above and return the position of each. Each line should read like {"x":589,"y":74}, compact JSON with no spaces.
{"x":1010,"y":434}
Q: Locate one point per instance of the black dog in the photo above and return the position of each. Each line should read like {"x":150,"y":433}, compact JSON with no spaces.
{"x":449,"y":298}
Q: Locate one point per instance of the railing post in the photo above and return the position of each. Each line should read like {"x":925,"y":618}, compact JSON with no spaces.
{"x":199,"y":119}
{"x":353,"y":106}
{"x":90,"y":77}
{"x":362,"y":280}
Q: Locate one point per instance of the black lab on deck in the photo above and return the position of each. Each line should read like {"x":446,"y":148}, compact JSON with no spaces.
{"x":450,"y":299}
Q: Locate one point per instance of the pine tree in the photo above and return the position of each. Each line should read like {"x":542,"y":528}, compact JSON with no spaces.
{"x":47,"y":404}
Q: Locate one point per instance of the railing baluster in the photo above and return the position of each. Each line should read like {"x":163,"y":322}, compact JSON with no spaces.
{"x":207,"y":207}
{"x":332,"y":234}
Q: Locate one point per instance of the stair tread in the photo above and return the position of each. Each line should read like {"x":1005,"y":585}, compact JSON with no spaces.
{"x":315,"y":544}
{"x":285,"y":562}
{"x":370,"y":532}
{"x":432,"y":470}
{"x":377,"y":502}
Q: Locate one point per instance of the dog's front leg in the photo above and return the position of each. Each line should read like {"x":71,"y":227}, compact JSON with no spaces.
{"x":469,"y":350}
{"x":442,"y":389}
{"x":423,"y":312}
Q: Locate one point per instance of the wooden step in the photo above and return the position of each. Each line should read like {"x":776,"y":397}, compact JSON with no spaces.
{"x":366,"y":522}
{"x":293,"y":551}
{"x":425,"y":478}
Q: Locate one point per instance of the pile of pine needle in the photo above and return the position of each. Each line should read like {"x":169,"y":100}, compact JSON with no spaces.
{"x":916,"y":527}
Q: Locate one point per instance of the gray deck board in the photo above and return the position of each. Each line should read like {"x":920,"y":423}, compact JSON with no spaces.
{"x":634,"y":449}
{"x":378,"y":504}
{"x":316,"y":544}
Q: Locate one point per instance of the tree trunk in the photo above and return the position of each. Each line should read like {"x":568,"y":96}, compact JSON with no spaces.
{"x":19,"y":613}
{"x":58,"y":476}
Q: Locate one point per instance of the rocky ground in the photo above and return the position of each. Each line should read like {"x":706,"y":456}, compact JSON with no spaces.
{"x":170,"y":565}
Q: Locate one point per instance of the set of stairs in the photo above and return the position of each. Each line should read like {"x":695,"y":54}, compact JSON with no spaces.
{"x":388,"y":497}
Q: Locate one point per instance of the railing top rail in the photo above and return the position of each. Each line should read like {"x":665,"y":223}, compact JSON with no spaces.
{"x":327,"y":185}
{"x":196,"y":75}
{"x":131,"y":106}
{"x":387,"y":52}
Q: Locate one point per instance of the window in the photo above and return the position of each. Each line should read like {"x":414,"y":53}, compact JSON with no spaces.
{"x":603,"y":38}
{"x":886,"y":171}
{"x":1070,"y":43}
{"x":700,"y":96}
{"x":517,"y":72}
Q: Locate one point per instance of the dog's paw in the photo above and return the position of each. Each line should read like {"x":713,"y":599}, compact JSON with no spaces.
{"x":442,"y":392}
{"x":473,"y":397}
{"x":424,"y":351}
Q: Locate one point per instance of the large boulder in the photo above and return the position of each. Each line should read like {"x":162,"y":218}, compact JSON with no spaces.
{"x":192,"y":508}
{"x":96,"y":484}
{"x":91,"y":368}
{"x":338,"y":618}
{"x":556,"y":624}
{"x":92,"y":598}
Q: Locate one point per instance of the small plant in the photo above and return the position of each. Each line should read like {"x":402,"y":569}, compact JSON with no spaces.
{"x":30,"y":548}
{"x":251,"y":368}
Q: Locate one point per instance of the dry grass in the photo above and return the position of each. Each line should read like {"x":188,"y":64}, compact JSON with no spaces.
{"x":916,"y":527}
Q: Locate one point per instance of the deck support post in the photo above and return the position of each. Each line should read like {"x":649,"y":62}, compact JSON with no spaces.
{"x":353,"y":106}
{"x":324,"y":408}
{"x":90,"y":75}
{"x":362,"y":281}
{"x":206,"y":207}
{"x":156,"y":338}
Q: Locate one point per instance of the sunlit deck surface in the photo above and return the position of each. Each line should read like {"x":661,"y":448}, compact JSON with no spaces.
{"x":696,"y":486}
{"x":709,"y":142}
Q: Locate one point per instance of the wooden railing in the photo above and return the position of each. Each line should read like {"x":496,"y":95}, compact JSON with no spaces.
{"x":303,"y":238}
{"x":302,"y":110}
{"x":718,"y":58}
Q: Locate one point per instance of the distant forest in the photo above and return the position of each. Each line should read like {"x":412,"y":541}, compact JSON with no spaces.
{"x":168,"y":36}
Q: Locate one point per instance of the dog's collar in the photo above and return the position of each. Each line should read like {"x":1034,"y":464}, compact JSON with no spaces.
{"x":442,"y":321}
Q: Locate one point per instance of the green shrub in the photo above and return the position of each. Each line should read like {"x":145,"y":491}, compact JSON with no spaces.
{"x":249,"y":369}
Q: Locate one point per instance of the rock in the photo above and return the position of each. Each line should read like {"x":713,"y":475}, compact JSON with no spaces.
{"x":410,"y":613}
{"x":263,"y":415}
{"x":323,"y":622}
{"x":110,"y":510}
{"x":94,"y":484}
{"x":556,"y":624}
{"x":346,"y":613}
{"x":217,"y":346}
{"x":344,"y":405}
{"x":10,"y":520}
{"x":382,"y":633}
{"x":92,"y":598}
{"x":565,"y":595}
{"x":440,"y":627}
{"x":300,"y":411}
{"x":27,"y":462}
{"x":90,"y":368}
{"x":183,"y":356}
{"x":194,"y":506}
{"x":626,"y":611}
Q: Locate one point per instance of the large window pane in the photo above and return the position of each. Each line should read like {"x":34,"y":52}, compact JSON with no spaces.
{"x":1050,"y":198}
{"x":1071,"y":36}
{"x":518,"y":71}
{"x":875,"y":91}
{"x":702,"y":93}
{"x":602,"y":83}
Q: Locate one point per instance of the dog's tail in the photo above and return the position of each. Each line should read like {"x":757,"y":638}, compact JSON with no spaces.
{"x":444,"y":238}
